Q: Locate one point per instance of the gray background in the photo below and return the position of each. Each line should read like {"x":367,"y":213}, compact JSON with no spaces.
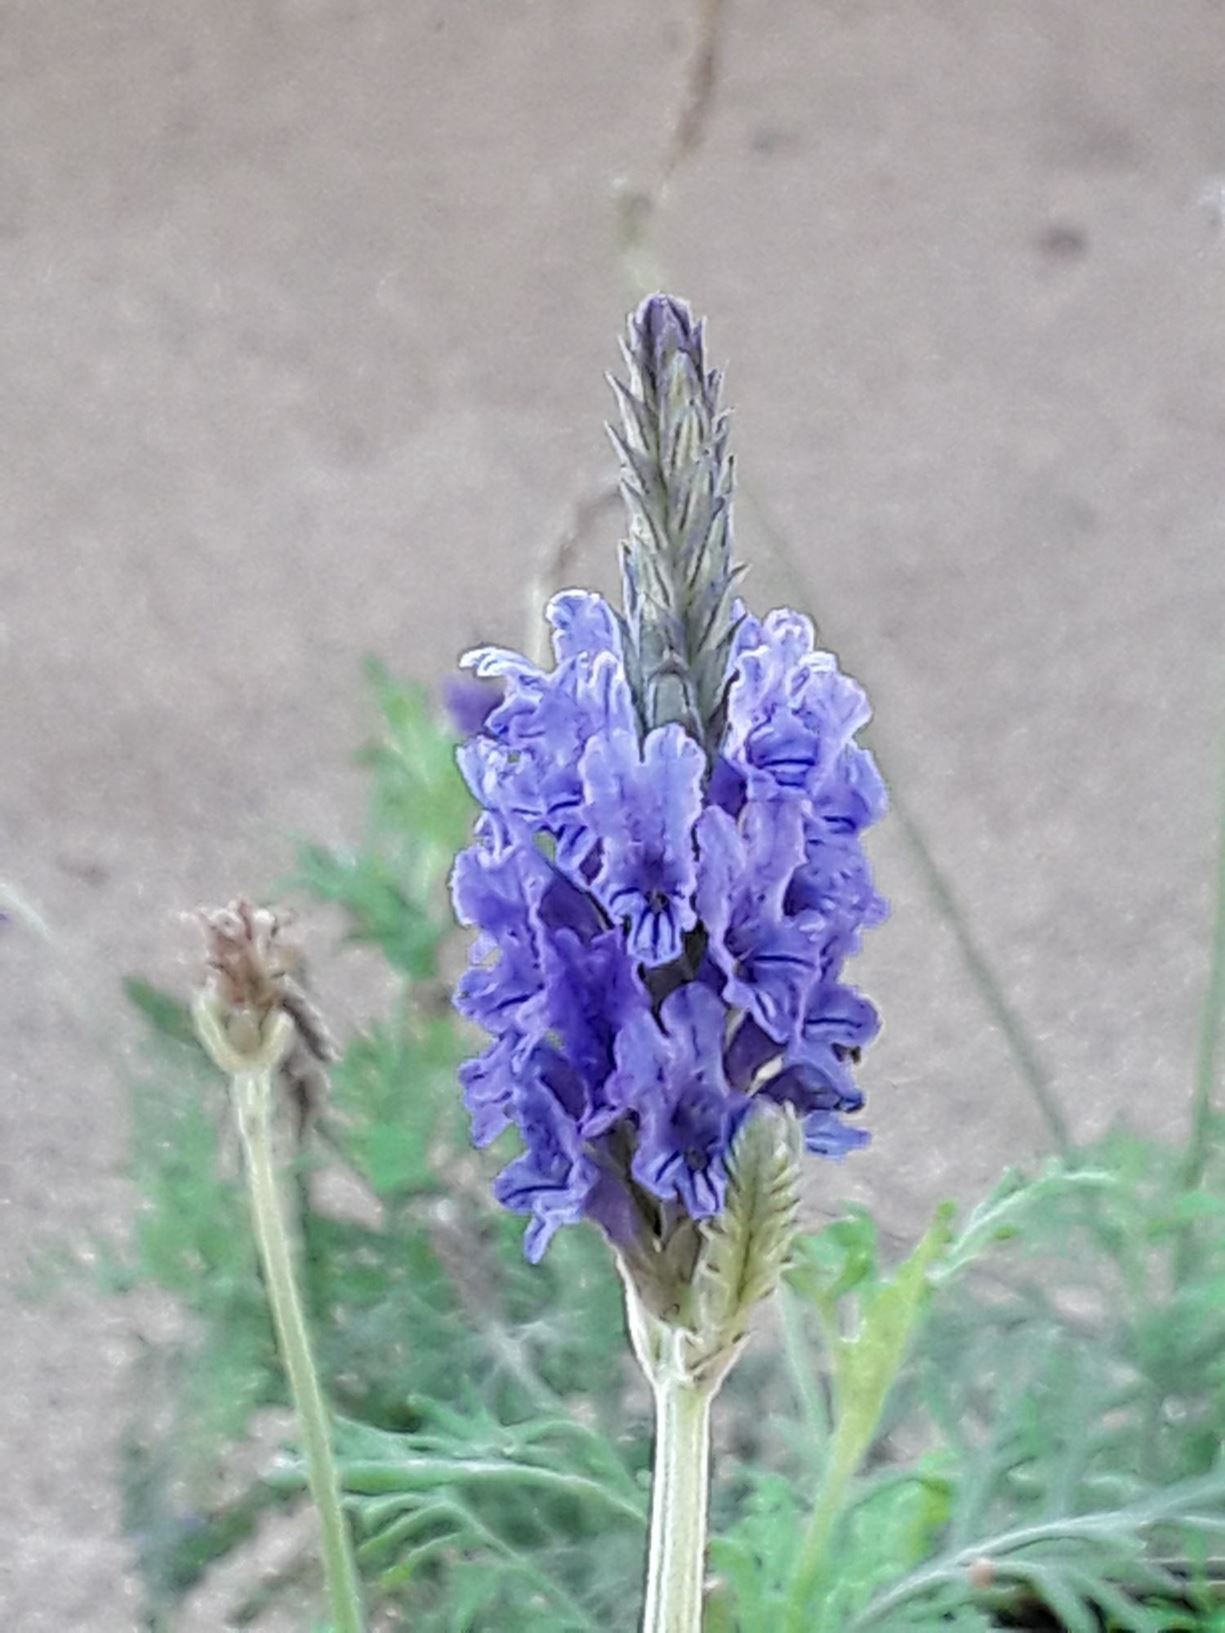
{"x":305,"y":311}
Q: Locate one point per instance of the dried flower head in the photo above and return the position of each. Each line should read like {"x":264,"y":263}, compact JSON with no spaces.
{"x":253,"y":1011}
{"x":245,"y":955}
{"x":667,"y":878}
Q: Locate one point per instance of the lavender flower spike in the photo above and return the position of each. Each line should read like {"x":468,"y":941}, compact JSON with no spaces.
{"x":669,"y":874}
{"x":667,"y":879}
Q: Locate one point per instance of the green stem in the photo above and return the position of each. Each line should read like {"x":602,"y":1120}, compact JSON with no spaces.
{"x":677,"y":1560}
{"x":253,"y":1103}
{"x":409,"y":1475}
{"x":844,"y":1460}
{"x":803,"y":1374}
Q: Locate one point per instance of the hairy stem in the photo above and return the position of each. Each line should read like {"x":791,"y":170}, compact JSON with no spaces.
{"x":814,"y":1546}
{"x":676,"y":1562}
{"x":253,"y":1103}
{"x":864,"y":1367}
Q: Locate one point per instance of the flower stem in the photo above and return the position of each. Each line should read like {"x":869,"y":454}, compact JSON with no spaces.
{"x":815,"y":1542}
{"x":677,"y":1560}
{"x":252,"y":1103}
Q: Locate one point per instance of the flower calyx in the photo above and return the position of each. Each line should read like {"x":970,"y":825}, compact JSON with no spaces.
{"x":692,"y":1301}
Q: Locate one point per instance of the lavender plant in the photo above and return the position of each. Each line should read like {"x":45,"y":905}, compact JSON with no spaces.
{"x":668,"y":876}
{"x":667,"y":879}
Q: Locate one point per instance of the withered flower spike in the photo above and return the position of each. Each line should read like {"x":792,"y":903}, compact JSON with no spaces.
{"x":239,"y":950}
{"x":261,"y":1031}
{"x":250,"y":985}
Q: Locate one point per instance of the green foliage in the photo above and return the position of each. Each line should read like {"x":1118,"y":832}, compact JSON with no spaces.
{"x":1017,"y":1424}
{"x":469,"y":1380}
{"x":393,"y":1138}
{"x":548,"y":1507}
{"x":185,"y":1243}
{"x":390,"y":886}
{"x":1064,"y":1402}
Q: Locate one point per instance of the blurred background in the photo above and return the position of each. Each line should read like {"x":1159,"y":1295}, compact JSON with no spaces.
{"x":307,"y":308}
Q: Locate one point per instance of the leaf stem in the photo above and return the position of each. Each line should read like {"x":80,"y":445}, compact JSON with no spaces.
{"x":406,"y":1475}
{"x":252,"y":1104}
{"x":1109,"y":1527}
{"x":844,"y":1461}
{"x":803,"y":1374}
{"x":679,"y":1493}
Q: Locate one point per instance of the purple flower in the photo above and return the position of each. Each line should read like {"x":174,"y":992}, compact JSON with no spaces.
{"x":554,"y":1177}
{"x":641,"y":804}
{"x":813,"y":1075}
{"x":668,"y":873}
{"x":816,"y":1077}
{"x":826,"y":1135}
{"x":498,"y":887}
{"x":583,"y":625}
{"x":524,"y":764}
{"x":790,"y":711}
{"x":488,"y":1082}
{"x":670,"y":1076}
{"x":768,"y":958}
{"x":660,"y":938}
{"x":469,"y":702}
{"x":592,"y":991}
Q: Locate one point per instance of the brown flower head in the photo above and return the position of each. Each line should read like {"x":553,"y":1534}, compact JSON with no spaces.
{"x":252,"y":1010}
{"x":247,"y":961}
